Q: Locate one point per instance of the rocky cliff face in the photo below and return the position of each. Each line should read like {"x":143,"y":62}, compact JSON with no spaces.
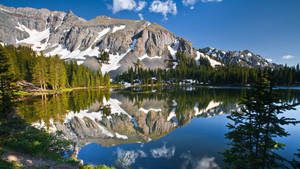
{"x":74,"y":38}
{"x":243,"y":58}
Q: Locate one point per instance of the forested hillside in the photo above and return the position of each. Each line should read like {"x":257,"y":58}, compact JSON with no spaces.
{"x":50,"y":72}
{"x":189,"y":71}
{"x":54,"y":73}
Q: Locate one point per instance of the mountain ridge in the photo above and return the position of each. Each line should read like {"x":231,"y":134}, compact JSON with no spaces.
{"x":74,"y":38}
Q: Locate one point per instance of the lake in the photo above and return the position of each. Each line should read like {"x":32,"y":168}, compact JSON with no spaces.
{"x":179,"y":127}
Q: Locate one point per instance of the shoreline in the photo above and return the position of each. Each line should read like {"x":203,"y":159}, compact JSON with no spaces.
{"x":116,"y":86}
{"x":52,"y":92}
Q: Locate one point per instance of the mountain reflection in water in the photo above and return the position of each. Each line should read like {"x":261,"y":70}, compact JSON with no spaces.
{"x":127,"y":116}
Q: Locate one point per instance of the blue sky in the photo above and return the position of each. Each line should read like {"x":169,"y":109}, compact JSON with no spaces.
{"x":270,"y":28}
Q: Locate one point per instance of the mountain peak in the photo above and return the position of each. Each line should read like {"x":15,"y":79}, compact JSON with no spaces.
{"x":126,"y":41}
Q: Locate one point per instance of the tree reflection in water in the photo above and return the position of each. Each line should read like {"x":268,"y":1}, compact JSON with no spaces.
{"x":255,"y":129}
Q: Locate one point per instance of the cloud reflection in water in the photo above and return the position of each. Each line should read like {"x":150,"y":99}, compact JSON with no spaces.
{"x":196,"y":163}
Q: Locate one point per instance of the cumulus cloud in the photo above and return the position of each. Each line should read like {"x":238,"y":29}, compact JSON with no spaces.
{"x":269,"y":60}
{"x":141,"y":16}
{"x":163,"y":152}
{"x":190,"y":3}
{"x":141,"y":5}
{"x":204,"y":1}
{"x":164,"y":8}
{"x":120,"y":5}
{"x":286,"y":57}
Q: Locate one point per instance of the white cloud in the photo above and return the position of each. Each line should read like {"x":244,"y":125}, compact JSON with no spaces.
{"x":141,"y":5}
{"x":190,"y":3}
{"x":286,"y":57}
{"x":120,"y":5}
{"x":141,"y":16}
{"x":269,"y":60}
{"x":164,"y":7}
{"x":204,"y":1}
{"x":163,"y":152}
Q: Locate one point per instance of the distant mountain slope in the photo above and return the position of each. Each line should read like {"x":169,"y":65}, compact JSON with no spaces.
{"x":74,"y":38}
{"x":243,"y":58}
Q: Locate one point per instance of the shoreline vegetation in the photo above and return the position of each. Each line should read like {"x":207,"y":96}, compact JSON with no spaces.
{"x":50,"y":75}
{"x":118,"y":86}
{"x":54,"y":76}
{"x":22,"y":145}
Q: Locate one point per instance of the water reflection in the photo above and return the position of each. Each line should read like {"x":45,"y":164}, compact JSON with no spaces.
{"x":198,"y":163}
{"x":255,"y":131}
{"x":127,"y":158}
{"x":163,"y":152}
{"x":121,"y":117}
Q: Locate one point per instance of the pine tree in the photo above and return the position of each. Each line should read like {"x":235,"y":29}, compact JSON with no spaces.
{"x":103,"y":57}
{"x":7,"y":86}
{"x":101,"y":79}
{"x":159,"y":81}
{"x":139,"y":64}
{"x":97,"y":79}
{"x":106,"y":79}
{"x":40,"y":71}
{"x":74,"y":80}
{"x":255,"y":128}
{"x":53,"y":73}
{"x":63,"y":78}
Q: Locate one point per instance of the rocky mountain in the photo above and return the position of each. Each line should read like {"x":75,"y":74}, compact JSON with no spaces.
{"x":243,"y":58}
{"x":126,"y":41}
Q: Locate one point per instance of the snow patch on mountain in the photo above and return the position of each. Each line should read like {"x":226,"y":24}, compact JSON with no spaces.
{"x":35,"y":38}
{"x":102,"y":33}
{"x":212,"y":62}
{"x":78,"y":54}
{"x":117,"y":28}
{"x":173,"y":51}
{"x":121,"y":136}
{"x":2,"y":9}
{"x":145,"y":56}
{"x":113,"y":62}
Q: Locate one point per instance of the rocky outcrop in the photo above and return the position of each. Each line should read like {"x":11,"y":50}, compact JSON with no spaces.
{"x":74,"y":38}
{"x":242,"y":58}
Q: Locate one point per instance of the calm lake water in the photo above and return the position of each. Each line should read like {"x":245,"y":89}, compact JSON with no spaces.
{"x":151,"y":128}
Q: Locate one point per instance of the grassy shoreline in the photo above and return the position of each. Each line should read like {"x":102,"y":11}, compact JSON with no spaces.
{"x":49,"y":92}
{"x":116,"y":86}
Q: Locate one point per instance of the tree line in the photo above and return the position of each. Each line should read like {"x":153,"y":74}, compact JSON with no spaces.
{"x":50,"y":72}
{"x":203,"y":72}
